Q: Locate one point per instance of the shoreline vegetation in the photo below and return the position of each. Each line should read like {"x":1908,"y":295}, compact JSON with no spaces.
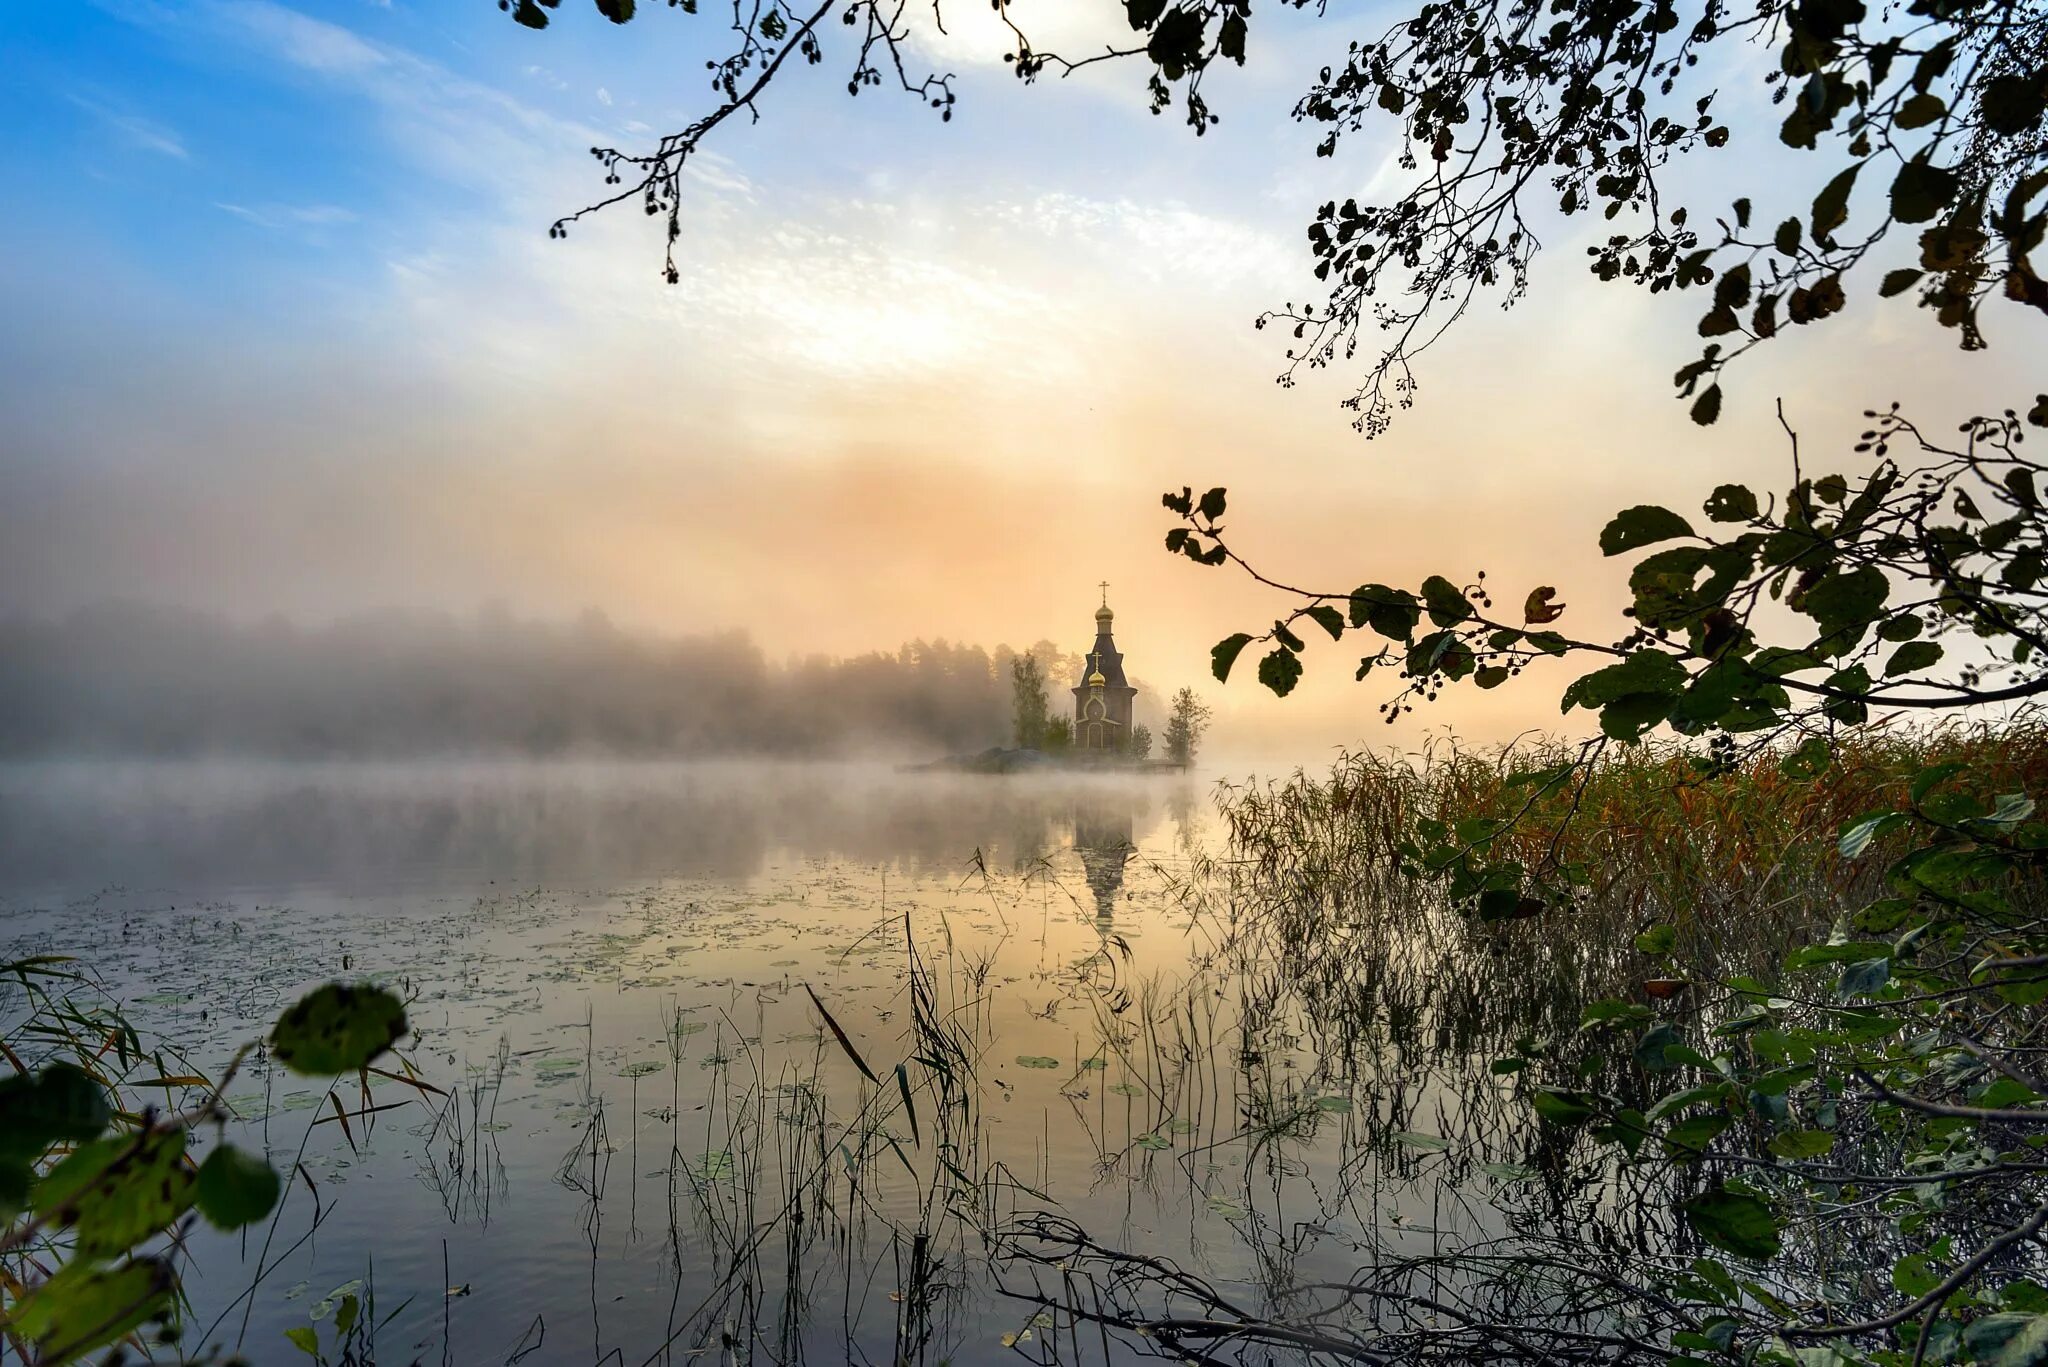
{"x":1731,"y":1105}
{"x":1027,"y":760}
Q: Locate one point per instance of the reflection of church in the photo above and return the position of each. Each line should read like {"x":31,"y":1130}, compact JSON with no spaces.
{"x":1102,"y":700}
{"x":1102,"y":837}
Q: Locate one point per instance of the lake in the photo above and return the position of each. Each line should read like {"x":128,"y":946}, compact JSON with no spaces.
{"x":1065,"y":1035}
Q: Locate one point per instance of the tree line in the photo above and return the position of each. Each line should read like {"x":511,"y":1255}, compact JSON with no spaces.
{"x":147,"y":681}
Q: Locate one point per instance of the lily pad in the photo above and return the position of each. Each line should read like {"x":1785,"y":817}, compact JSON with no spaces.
{"x":1422,"y":1143}
{"x":1037,"y":1061}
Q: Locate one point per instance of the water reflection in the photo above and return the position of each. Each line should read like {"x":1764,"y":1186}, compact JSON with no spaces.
{"x":358,"y":828}
{"x":655,"y":1146}
{"x":1103,"y":837}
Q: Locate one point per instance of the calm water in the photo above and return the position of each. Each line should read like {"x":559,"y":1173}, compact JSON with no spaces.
{"x":652,"y":1148}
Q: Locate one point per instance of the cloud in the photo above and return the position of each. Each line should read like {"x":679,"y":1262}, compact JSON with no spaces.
{"x":289,"y":215}
{"x":135,"y":130}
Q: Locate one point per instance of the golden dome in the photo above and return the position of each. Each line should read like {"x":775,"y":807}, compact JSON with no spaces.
{"x":1103,"y":614}
{"x":1096,"y":680}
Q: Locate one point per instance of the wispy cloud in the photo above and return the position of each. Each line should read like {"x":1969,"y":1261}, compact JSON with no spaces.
{"x":136,"y":131}
{"x":289,"y":215}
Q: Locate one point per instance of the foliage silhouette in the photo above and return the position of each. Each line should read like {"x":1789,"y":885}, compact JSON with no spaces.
{"x":97,"y":1186}
{"x":1932,"y":109}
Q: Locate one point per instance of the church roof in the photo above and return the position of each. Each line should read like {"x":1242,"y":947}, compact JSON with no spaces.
{"x":1103,"y":656}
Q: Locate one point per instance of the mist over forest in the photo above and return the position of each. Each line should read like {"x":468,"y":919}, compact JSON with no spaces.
{"x":134,"y":680}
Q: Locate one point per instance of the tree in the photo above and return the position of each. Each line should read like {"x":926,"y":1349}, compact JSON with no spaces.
{"x":1141,"y":742}
{"x":1185,"y":723}
{"x":1059,"y":735}
{"x":1027,"y":690}
{"x":1933,"y":110}
{"x":1917,"y":585}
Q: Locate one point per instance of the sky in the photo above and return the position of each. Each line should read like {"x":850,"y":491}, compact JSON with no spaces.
{"x":282,"y":331}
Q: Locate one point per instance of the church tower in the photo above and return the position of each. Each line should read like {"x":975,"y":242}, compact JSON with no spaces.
{"x":1102,"y":699}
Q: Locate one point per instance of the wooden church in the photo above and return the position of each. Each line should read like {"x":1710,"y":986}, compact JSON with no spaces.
{"x":1102,"y":699}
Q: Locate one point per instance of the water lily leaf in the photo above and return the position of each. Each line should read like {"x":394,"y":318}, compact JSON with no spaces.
{"x":1423,"y":1143}
{"x":713,"y":1165}
{"x":1336,"y":1105}
{"x":1037,"y":1061}
{"x":1154,"y":1141}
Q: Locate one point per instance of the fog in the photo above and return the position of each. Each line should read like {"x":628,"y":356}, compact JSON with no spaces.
{"x":130,"y":833}
{"x":133,"y":681}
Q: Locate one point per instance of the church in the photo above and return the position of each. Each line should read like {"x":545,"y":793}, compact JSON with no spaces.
{"x":1102,"y":700}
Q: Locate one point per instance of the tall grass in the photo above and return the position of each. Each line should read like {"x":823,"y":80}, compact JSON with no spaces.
{"x":1729,"y":855}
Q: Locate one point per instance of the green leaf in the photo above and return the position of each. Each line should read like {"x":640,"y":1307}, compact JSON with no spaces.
{"x":1037,"y":1061}
{"x":117,"y":1192}
{"x":1230,"y":38}
{"x":1921,"y":190}
{"x":2008,"y":1340}
{"x":59,"y":1105}
{"x":1802,"y":1143}
{"x":1857,"y":837}
{"x":1866,"y":978}
{"x":1643,"y":525}
{"x":305,"y":1339}
{"x":1731,"y":503}
{"x":1898,"y":282}
{"x":1280,"y":671}
{"x":1831,"y":205}
{"x":1919,"y":111}
{"x":236,"y":1188}
{"x":1734,"y":1222}
{"x":1563,"y":1108}
{"x":1223,"y":655}
{"x":337,"y":1028}
{"x":1646,"y":671}
{"x":1448,"y":605}
{"x":1328,"y":618}
{"x":1391,"y":612}
{"x":83,"y":1307}
{"x":1912,"y":657}
{"x":1846,"y":601}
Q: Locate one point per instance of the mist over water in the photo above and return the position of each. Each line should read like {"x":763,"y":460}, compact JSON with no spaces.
{"x":129,"y":680}
{"x":74,"y":827}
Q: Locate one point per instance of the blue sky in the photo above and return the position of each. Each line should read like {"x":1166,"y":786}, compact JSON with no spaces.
{"x":281,"y":331}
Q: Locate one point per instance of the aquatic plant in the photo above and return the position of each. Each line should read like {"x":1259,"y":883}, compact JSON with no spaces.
{"x":104,"y":1164}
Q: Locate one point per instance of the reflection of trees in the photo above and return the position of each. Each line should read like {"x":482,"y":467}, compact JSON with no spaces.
{"x":201,"y":826}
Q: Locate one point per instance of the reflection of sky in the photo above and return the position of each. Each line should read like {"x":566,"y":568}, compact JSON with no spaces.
{"x":280,"y":329}
{"x":548,"y":1011}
